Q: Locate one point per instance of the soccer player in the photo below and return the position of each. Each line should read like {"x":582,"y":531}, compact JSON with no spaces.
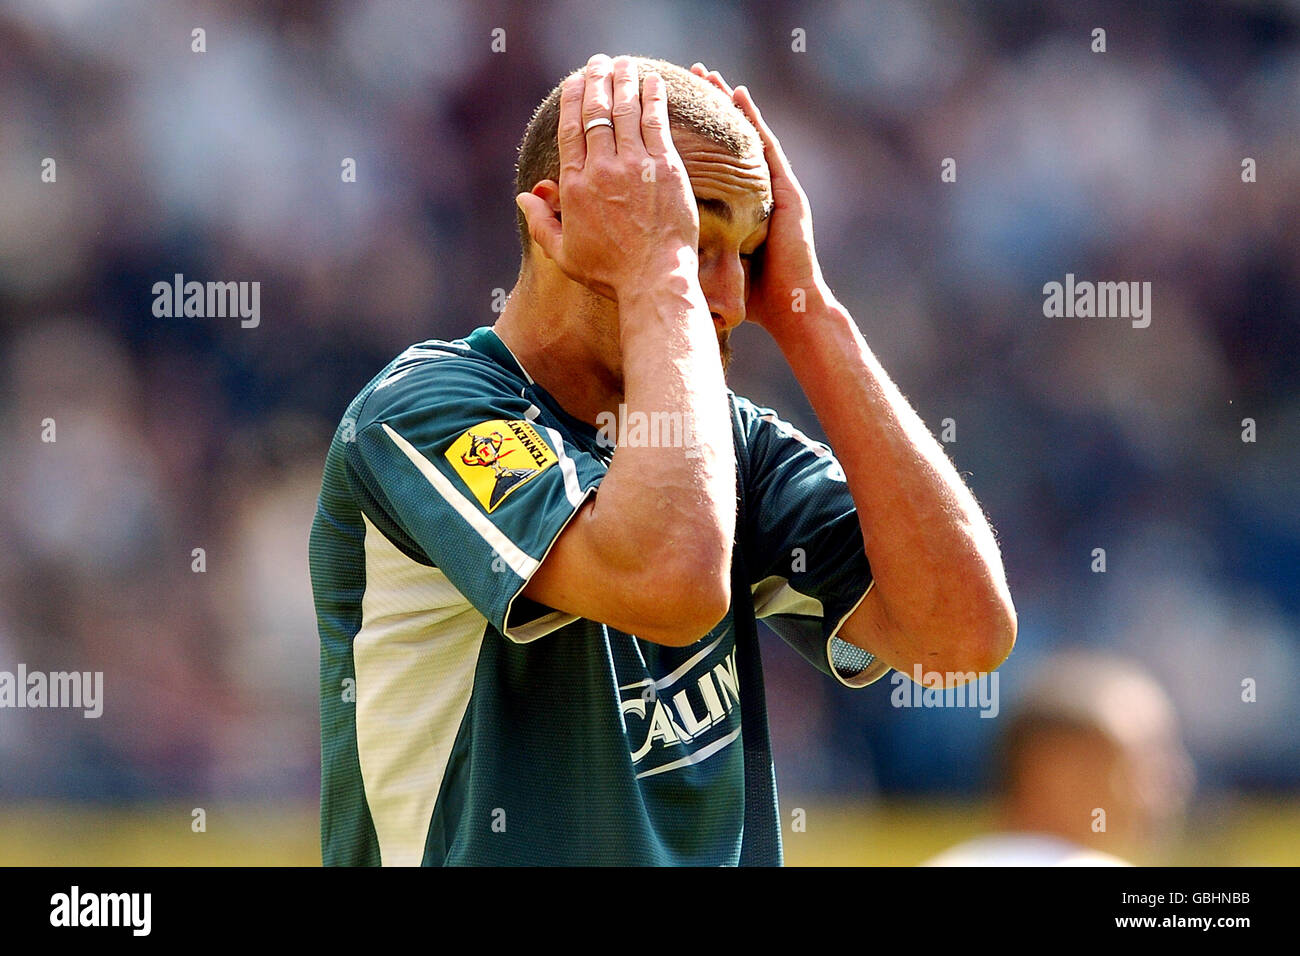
{"x":1090,"y":763}
{"x":540,"y":550}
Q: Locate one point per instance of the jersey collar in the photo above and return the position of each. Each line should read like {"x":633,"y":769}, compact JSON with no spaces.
{"x":485,"y":341}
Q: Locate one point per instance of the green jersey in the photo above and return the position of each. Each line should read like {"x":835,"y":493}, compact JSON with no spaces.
{"x":462,"y":723}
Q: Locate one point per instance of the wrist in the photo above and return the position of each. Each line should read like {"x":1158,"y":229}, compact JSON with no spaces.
{"x":670,"y":272}
{"x":670,"y":291}
{"x":809,"y":304}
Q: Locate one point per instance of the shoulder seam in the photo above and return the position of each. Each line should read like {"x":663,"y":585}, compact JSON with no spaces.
{"x":464,"y":358}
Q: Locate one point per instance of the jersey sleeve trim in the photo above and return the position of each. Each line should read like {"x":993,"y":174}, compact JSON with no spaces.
{"x":874,"y":669}
{"x":531,"y":630}
{"x":775,"y":595}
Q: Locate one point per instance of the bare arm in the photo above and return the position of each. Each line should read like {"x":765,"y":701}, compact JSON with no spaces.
{"x":651,"y":553}
{"x":940,"y":597}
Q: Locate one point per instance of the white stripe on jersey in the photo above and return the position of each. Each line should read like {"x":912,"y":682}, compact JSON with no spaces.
{"x":567,"y":469}
{"x":572,"y":490}
{"x":704,"y":753}
{"x":415,"y":657}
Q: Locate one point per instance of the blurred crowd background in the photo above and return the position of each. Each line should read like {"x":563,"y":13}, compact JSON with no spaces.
{"x":1075,"y":434}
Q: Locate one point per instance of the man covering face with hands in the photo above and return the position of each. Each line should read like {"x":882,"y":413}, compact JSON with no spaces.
{"x":552,"y":634}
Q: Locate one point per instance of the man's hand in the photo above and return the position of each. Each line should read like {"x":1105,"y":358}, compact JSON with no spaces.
{"x":629,"y":216}
{"x":789,"y":275}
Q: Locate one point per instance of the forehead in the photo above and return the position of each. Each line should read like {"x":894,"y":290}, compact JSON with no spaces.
{"x":743,"y":183}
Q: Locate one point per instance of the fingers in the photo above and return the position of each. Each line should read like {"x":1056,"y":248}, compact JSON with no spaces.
{"x":654,"y":117}
{"x":740,"y":96}
{"x":770,"y":143}
{"x":598,"y":103}
{"x":627,"y":106}
{"x":713,"y":76}
{"x":543,"y":227}
{"x":716,"y":79}
{"x":573,"y":144}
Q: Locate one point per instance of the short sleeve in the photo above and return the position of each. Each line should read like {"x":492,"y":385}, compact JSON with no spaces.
{"x":804,"y":548}
{"x":457,"y":466}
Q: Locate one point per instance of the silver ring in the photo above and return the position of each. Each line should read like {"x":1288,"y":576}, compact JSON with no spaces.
{"x":600,"y":121}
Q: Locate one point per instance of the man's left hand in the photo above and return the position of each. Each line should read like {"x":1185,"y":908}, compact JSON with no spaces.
{"x":788,"y":284}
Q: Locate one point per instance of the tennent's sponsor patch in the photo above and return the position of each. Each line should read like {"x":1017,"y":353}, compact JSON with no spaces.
{"x":497,"y":457}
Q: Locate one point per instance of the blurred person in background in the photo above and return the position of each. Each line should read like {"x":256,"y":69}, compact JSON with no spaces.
{"x":1091,"y":770}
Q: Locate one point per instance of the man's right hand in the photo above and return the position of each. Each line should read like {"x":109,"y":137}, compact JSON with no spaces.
{"x":629,"y":215}
{"x":650,"y":554}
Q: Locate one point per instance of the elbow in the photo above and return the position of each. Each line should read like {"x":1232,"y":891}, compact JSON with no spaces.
{"x":1000,"y":629}
{"x":995,"y":640}
{"x":963,"y":642}
{"x":983,"y":641}
{"x":686,"y":597}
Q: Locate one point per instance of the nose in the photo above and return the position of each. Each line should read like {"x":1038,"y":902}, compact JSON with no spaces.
{"x":722,"y":279}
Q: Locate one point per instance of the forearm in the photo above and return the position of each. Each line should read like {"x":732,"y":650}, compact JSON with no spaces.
{"x":933,"y":556}
{"x":673,"y":503}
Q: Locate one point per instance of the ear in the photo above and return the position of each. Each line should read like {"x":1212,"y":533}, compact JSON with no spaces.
{"x":541,"y":208}
{"x":548,"y":191}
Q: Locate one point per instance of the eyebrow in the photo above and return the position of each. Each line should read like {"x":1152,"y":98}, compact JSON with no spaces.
{"x":722,"y":209}
{"x":718,"y":207}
